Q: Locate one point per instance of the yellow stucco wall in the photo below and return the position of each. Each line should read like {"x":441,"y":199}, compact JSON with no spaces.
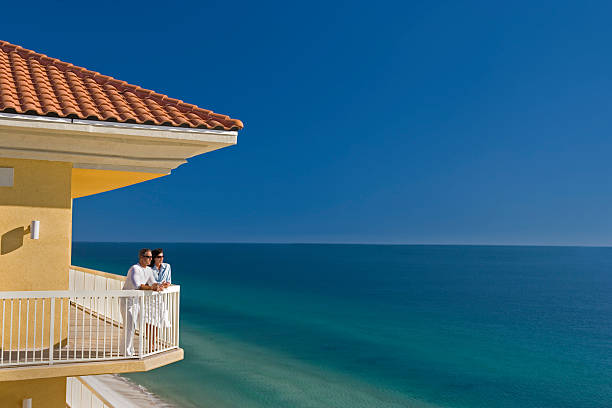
{"x":41,"y":191}
{"x":45,"y":393}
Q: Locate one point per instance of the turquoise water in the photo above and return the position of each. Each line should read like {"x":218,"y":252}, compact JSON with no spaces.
{"x":266,"y":325}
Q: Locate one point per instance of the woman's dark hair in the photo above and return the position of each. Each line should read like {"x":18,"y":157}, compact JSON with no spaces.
{"x":155,"y":252}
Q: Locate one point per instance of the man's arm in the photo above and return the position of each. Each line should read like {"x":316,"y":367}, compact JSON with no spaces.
{"x":154,"y":286}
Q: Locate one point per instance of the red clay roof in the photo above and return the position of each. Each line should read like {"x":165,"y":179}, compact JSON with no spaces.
{"x":32,"y":83}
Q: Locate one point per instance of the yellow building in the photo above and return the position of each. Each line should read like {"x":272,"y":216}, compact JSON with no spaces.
{"x":66,"y":133}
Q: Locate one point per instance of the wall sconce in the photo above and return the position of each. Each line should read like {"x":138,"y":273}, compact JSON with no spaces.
{"x":27,"y":403}
{"x":35,"y":229}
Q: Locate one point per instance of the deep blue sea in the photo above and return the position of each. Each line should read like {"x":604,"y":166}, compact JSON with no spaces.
{"x":267,"y":325}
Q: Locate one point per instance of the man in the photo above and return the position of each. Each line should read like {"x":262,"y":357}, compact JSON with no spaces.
{"x":139,"y":277}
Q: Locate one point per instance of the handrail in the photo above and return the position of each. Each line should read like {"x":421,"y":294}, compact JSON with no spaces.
{"x":107,"y":275}
{"x":84,"y":293}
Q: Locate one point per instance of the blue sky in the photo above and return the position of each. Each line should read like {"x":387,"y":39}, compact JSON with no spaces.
{"x":388,"y":122}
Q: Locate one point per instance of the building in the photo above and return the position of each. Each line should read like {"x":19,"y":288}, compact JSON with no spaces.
{"x":66,"y":133}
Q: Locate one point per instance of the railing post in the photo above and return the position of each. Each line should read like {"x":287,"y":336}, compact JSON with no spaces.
{"x":141,"y":313}
{"x":51,"y":329}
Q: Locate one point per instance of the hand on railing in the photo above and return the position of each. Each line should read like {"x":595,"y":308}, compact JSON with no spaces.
{"x":156,"y":287}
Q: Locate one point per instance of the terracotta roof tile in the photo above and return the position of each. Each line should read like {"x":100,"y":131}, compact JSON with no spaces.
{"x":32,"y":83}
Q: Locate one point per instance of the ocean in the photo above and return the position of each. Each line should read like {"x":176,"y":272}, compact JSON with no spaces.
{"x":306,"y":325}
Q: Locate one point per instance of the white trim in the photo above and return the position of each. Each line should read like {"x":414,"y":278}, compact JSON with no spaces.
{"x":117,"y":128}
{"x":155,"y":127}
{"x":104,"y":123}
{"x":34,"y":117}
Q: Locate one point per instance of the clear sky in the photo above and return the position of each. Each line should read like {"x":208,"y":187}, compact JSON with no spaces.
{"x":391,"y":122}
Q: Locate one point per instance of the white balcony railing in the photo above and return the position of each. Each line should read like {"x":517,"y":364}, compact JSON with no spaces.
{"x":89,"y":279}
{"x":70,"y":326}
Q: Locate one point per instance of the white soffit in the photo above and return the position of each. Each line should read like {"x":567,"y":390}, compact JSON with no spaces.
{"x":106,"y":145}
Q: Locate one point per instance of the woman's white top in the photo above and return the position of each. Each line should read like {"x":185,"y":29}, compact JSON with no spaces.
{"x":163,"y":273}
{"x":137,"y":275}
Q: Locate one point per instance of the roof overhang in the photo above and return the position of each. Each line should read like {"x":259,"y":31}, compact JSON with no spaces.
{"x":106,"y":151}
{"x":106,"y":145}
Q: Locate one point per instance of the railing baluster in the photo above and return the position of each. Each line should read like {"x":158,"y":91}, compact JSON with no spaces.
{"x":171,"y":316}
{"x":109,"y":301}
{"x":166,"y":315}
{"x":162,"y":327}
{"x":61,"y":327}
{"x":51,"y":329}
{"x":172,"y":322}
{"x":141,"y":339}
{"x":27,"y":328}
{"x":110,"y":342}
{"x":104,"y":344}
{"x":2,"y":357}
{"x":19,"y":331}
{"x":11,"y":336}
{"x":42,"y":330}
{"x":158,"y":317}
{"x":76,"y":327}
{"x":83,"y":329}
{"x":90,"y":317}
{"x":68,"y":331}
{"x":145,"y":327}
{"x":162,"y":323}
{"x":97,"y":324}
{"x":119,"y":337}
{"x":35,"y":326}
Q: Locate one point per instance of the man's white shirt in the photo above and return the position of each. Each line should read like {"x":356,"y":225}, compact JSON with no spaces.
{"x":138,"y":275}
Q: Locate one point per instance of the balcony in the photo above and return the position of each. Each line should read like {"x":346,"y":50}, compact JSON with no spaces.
{"x":79,"y":331}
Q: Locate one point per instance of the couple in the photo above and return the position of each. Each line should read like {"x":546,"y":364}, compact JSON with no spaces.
{"x":150,"y":273}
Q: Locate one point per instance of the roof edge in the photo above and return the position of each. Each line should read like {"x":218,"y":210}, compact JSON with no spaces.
{"x":118,"y":127}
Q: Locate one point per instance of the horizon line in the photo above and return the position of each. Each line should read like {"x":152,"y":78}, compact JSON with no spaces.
{"x":353,"y":243}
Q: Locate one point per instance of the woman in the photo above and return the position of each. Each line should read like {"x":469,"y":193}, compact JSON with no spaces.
{"x":162,"y":271}
{"x":159,"y":308}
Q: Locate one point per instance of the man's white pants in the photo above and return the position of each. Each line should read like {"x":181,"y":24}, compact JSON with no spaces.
{"x":129,"y":312}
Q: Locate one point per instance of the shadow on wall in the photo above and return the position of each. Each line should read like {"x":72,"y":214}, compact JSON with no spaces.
{"x":12,"y":240}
